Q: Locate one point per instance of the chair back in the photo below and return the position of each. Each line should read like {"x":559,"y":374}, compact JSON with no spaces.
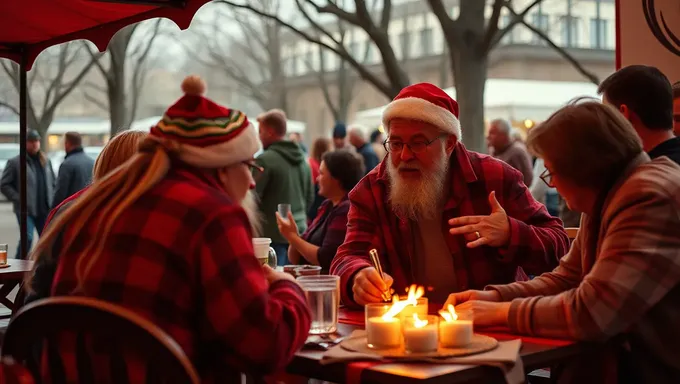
{"x":13,"y":373}
{"x":571,"y":232}
{"x":47,"y":318}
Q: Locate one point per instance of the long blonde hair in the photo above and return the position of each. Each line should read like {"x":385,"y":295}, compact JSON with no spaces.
{"x":116,"y":152}
{"x":106,"y":199}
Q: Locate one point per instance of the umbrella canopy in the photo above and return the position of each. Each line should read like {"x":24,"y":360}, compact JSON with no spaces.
{"x":30,"y":26}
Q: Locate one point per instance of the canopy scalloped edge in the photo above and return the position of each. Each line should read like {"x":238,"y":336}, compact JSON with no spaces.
{"x":101,"y":35}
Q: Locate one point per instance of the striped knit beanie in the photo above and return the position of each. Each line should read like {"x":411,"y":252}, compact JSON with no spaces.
{"x":211,"y":136}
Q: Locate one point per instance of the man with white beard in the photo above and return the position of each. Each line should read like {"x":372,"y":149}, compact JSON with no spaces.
{"x":439,"y":215}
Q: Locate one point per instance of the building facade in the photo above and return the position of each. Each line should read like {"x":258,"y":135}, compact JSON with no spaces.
{"x":584,"y":28}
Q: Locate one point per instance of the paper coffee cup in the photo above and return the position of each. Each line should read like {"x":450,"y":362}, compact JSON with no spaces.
{"x":261,"y":248}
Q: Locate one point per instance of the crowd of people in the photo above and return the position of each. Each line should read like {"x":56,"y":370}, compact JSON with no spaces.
{"x":166,"y":226}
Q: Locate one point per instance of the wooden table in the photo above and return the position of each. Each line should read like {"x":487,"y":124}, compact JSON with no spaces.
{"x":536,"y":353}
{"x":10,"y":277}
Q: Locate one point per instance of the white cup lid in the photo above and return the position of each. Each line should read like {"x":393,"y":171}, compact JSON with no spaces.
{"x":262,"y":240}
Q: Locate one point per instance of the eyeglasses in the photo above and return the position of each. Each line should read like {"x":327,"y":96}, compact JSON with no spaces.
{"x":255,"y":169}
{"x":546,"y":176}
{"x":416,"y":146}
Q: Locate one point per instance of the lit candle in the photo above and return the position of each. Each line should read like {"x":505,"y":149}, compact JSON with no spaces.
{"x":383,"y":332}
{"x":420,"y":335}
{"x":454,"y":333}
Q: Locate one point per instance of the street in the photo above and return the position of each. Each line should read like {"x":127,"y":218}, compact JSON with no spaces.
{"x":9,"y":228}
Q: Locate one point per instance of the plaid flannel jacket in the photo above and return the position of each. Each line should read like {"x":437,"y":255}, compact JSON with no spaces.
{"x":182,"y":256}
{"x":629,"y":285}
{"x":537,"y":240}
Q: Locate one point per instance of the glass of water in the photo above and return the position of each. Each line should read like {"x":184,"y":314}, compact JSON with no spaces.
{"x":283,"y":210}
{"x":323,"y":299}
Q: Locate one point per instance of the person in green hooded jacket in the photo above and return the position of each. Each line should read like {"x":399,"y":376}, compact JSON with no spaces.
{"x":286,"y":179}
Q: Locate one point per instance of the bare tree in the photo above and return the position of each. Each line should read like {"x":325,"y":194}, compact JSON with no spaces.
{"x":250,"y":56}
{"x":469,"y":38}
{"x":55,"y":74}
{"x":127,"y":53}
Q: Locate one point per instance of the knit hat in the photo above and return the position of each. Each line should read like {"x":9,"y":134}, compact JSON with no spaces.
{"x":424,"y":102}
{"x":339,"y":131}
{"x":212,"y":136}
{"x":32,"y":135}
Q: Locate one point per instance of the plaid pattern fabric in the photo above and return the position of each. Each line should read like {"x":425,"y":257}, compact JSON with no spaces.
{"x":537,"y":240}
{"x":182,"y":257}
{"x":330,"y":224}
{"x":630,"y":284}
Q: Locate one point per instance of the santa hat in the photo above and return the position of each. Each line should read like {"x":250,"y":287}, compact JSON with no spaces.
{"x":424,"y":102}
{"x":212,"y":136}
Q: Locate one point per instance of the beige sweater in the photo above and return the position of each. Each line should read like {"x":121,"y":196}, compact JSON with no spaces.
{"x":631,"y":285}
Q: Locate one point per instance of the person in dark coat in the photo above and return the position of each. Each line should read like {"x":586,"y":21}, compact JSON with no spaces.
{"x":75,"y":173}
{"x":340,"y":135}
{"x":357,"y":138}
{"x":40,"y":186}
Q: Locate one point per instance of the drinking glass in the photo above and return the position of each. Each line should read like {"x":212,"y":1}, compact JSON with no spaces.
{"x":3,"y":254}
{"x":283,"y":210}
{"x":323,"y":299}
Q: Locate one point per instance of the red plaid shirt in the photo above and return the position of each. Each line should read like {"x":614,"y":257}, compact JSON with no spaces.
{"x":537,"y":240}
{"x":182,"y":257}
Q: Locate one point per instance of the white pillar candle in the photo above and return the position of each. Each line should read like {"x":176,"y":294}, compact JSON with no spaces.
{"x":383,"y":333}
{"x":455,"y":333}
{"x":423,"y":339}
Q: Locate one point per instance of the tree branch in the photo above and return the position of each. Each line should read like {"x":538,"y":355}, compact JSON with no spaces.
{"x":517,"y":18}
{"x":10,"y":107}
{"x":563,"y":52}
{"x":388,"y":90}
{"x":97,"y":102}
{"x":492,"y":25}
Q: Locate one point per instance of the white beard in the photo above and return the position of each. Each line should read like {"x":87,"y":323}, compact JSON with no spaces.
{"x":250,"y":205}
{"x":420,"y":198}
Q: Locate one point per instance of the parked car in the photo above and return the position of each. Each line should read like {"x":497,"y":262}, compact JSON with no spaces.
{"x":57,"y":157}
{"x":7,"y":151}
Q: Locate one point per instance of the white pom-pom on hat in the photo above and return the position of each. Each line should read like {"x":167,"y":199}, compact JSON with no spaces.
{"x":193,"y":85}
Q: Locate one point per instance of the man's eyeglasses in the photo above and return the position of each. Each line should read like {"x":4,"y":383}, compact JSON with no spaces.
{"x":255,"y":169}
{"x":416,"y":146}
{"x":546,"y":176}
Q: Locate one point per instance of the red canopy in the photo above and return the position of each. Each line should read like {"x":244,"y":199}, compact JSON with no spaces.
{"x":33,"y":25}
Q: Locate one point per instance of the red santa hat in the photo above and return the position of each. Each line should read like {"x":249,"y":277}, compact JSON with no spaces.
{"x":424,"y":102}
{"x":212,"y":136}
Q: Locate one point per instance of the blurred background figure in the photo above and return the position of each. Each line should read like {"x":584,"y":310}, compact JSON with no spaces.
{"x":295,"y":137}
{"x":377,"y":139}
{"x":339,"y":135}
{"x":508,"y":150}
{"x":75,"y":173}
{"x":319,"y":148}
{"x":357,"y":137}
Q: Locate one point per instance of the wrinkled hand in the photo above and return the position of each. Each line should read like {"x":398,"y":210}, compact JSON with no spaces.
{"x":492,"y":230}
{"x":273,"y":275}
{"x":462,"y":297}
{"x":368,"y":287}
{"x":486,"y":313}
{"x":287,"y":227}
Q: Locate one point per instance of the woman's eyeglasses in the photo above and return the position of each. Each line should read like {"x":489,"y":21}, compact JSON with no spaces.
{"x":546,"y":176}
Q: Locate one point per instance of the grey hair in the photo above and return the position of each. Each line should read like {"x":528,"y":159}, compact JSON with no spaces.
{"x":503,"y":125}
{"x":358,"y":130}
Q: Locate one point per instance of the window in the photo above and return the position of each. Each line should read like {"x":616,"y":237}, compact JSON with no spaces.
{"x":509,"y":37}
{"x":369,"y":52}
{"x":426,"y":42}
{"x":405,"y":44}
{"x":354,"y":49}
{"x":598,"y":33}
{"x":309,"y":65}
{"x":323,"y":58}
{"x":541,"y":22}
{"x":569,"y":30}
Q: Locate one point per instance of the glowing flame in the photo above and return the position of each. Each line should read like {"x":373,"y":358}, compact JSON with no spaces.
{"x":414,"y":293}
{"x":417,"y":323}
{"x":449,"y":315}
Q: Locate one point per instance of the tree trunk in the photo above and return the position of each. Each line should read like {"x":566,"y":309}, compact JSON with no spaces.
{"x":470,"y":72}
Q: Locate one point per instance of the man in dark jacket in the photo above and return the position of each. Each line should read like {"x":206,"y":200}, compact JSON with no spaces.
{"x":40,"y":186}
{"x":287,"y":179}
{"x":75,"y":173}
{"x":357,"y":138}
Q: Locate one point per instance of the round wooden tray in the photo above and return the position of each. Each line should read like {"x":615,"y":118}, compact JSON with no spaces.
{"x":479,"y":344}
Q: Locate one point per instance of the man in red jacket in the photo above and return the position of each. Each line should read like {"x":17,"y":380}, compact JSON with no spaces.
{"x":439,"y":215}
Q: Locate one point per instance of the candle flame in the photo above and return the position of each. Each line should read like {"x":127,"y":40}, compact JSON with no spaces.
{"x":414,"y":293}
{"x":450,"y":314}
{"x":417,"y":322}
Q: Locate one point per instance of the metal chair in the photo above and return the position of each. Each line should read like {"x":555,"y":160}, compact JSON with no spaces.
{"x":114,"y":325}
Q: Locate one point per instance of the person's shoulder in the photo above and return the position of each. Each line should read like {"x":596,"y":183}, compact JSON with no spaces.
{"x":490,"y":169}
{"x":659,"y":177}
